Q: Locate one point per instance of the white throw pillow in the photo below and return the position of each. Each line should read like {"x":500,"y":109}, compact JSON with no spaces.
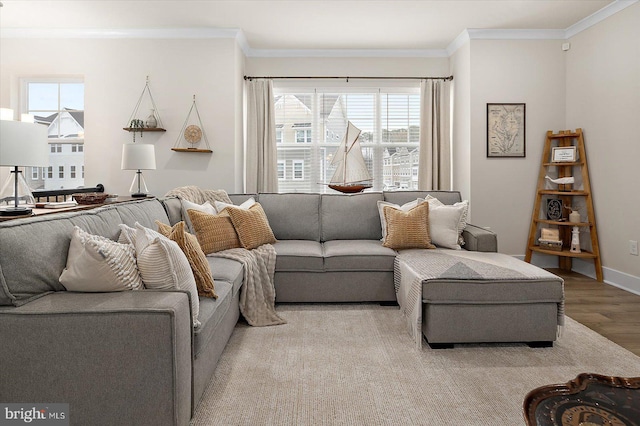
{"x":405,"y":208}
{"x":164,"y":266}
{"x":245,"y":206}
{"x":96,"y":263}
{"x":207,"y":208}
{"x":446,"y":222}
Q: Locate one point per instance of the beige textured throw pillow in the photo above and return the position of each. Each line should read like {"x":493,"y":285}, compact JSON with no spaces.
{"x":214,"y":232}
{"x":408,"y":229}
{"x":197,"y":259}
{"x":164,"y":266}
{"x":252,"y":226}
{"x":95,"y":264}
{"x":186,"y":205}
{"x":405,"y":208}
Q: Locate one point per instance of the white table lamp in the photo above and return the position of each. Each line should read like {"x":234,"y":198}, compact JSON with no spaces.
{"x":138,"y":156}
{"x":21,"y":144}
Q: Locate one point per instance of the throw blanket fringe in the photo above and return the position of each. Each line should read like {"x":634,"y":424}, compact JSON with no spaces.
{"x":258,"y":294}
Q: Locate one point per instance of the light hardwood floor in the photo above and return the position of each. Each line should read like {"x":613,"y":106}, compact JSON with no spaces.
{"x":608,"y":310}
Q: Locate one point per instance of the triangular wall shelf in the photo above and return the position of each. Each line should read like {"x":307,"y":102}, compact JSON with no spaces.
{"x":191,"y":135}
{"x":143,"y":126}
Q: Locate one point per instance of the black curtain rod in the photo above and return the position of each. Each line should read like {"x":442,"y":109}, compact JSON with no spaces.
{"x":246,"y":77}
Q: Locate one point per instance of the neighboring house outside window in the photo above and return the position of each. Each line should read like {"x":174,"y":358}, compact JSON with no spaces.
{"x":59,"y":104}
{"x":281,"y":170}
{"x":312,"y":122}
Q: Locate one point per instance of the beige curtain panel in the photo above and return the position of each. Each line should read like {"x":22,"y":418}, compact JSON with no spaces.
{"x":434,"y":170}
{"x":261,"y":160}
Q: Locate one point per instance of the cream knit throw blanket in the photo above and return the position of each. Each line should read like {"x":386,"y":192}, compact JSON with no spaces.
{"x":198,"y":195}
{"x":258,"y":294}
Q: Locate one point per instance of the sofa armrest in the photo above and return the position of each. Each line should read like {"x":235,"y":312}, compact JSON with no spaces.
{"x":115,"y":358}
{"x":479,"y":239}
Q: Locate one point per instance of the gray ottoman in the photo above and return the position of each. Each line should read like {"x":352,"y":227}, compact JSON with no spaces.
{"x":472,"y":297}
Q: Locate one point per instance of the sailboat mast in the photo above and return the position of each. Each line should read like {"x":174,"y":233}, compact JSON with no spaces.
{"x":344,"y":161}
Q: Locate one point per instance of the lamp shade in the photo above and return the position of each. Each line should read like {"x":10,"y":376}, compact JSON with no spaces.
{"x":138,"y":156}
{"x":23,"y":144}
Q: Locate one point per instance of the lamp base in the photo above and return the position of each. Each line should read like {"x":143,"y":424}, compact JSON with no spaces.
{"x":139,"y":195}
{"x":16,"y":211}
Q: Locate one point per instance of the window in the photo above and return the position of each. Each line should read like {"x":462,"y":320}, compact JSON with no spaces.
{"x":312,"y":122}
{"x":278,"y":135}
{"x":34,"y":173}
{"x":73,"y":172}
{"x":298,"y":169}
{"x":281,"y":167}
{"x":59,"y":104}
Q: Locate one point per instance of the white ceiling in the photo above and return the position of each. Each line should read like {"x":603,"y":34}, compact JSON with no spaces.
{"x":307,"y":24}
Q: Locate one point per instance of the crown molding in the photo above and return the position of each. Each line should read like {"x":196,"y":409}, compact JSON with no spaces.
{"x":109,"y":33}
{"x":496,"y":34}
{"x":598,"y":16}
{"x":348,"y":53}
{"x":237,"y":34}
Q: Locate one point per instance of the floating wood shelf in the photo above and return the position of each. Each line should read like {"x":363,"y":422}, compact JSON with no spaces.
{"x":191,"y":150}
{"x":144,"y":129}
{"x":565,"y":139}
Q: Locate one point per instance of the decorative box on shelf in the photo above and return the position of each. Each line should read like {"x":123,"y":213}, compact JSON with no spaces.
{"x":552,"y":245}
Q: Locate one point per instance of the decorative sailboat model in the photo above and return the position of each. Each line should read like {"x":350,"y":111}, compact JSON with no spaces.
{"x":351,"y":173}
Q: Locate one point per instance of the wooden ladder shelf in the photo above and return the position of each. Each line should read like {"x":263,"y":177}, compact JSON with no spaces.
{"x":566,"y":194}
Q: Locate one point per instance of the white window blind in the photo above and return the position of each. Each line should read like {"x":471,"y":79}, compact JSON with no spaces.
{"x":311,"y":123}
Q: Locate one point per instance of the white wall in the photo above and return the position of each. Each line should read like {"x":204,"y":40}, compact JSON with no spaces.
{"x":461,"y":134}
{"x":603,"y":98}
{"x":512,"y":71}
{"x":114,"y":72}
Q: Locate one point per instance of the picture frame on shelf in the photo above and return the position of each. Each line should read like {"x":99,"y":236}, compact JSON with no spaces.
{"x":506,"y":130}
{"x":554,"y":209}
{"x":564,"y":154}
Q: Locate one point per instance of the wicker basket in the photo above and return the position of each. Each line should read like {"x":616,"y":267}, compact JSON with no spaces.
{"x":90,"y":197}
{"x":552,"y":245}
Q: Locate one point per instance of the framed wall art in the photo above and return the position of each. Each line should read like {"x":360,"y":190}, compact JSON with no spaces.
{"x":506,"y":130}
{"x":565,"y":154}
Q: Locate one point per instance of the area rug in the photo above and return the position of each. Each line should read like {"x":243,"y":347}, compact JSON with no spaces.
{"x":356,"y":364}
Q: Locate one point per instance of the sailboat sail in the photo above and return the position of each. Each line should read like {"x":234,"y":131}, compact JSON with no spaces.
{"x":350,"y":164}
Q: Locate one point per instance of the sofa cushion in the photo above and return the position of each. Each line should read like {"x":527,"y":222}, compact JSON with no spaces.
{"x":357,"y":255}
{"x":211,"y":313}
{"x":145,"y":212}
{"x":289,"y":223}
{"x":214,"y":232}
{"x":298,"y":255}
{"x":228,"y":270}
{"x":351,"y":217}
{"x":96,"y":264}
{"x":252,"y":226}
{"x":402,"y":197}
{"x":197,"y":260}
{"x":44,"y":241}
{"x":406,"y":230}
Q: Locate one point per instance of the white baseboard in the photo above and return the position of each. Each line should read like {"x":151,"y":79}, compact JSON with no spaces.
{"x":622,"y":280}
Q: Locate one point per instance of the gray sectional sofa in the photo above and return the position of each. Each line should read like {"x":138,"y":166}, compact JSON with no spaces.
{"x":134,"y":357}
